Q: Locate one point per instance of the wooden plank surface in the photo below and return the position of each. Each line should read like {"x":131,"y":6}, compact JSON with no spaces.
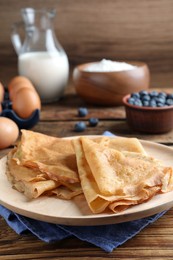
{"x":95,"y":29}
{"x":117,"y":127}
{"x":92,"y":30}
{"x":60,"y":111}
{"x":153,"y":242}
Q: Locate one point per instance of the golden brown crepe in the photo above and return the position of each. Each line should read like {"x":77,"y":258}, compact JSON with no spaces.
{"x":56,"y":156}
{"x":126,"y":144}
{"x":113,"y":173}
{"x":51,"y":155}
{"x":33,"y":183}
{"x":44,"y":165}
{"x":115,"y":180}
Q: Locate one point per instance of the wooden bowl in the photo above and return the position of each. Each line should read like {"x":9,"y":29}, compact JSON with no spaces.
{"x":152,"y":120}
{"x":108,"y":88}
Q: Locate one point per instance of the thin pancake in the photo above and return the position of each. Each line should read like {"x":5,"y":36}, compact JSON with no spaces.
{"x":34,"y":183}
{"x":126,"y":144}
{"x":117,"y":180}
{"x":45,"y":165}
{"x":51,"y":155}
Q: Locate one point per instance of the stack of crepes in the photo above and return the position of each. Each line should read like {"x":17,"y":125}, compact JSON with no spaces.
{"x":111,"y":173}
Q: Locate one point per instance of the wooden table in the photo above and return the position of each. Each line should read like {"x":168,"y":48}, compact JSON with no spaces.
{"x":154,"y":242}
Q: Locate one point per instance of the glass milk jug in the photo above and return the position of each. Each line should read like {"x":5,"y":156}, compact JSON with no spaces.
{"x":40,"y":56}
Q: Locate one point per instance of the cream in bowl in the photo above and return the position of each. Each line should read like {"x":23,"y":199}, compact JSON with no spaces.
{"x":106,"y":82}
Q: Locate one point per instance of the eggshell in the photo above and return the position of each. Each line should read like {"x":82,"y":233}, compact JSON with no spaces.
{"x":21,"y":85}
{"x":1,"y":92}
{"x":18,"y":83}
{"x":16,"y":80}
{"x":26,"y":102}
{"x":9,"y":132}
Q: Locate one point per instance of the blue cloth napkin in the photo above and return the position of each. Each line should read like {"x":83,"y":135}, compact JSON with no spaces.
{"x":107,"y":237}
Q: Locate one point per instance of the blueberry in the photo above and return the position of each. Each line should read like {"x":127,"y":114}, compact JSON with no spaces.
{"x":93,"y":121}
{"x":169,"y":102}
{"x":151,"y":99}
{"x":80,"y":126}
{"x":170,"y":96}
{"x":135,"y":95}
{"x":138,"y":102}
{"x":143,"y":92}
{"x":154,"y":94}
{"x":145,"y":103}
{"x":131,"y":101}
{"x":145,"y":98}
{"x":160,"y":104}
{"x":82,"y":111}
{"x":152,"y":103}
{"x":162,"y":95}
{"x":160,"y":100}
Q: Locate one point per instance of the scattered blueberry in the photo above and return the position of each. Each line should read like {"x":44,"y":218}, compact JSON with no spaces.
{"x":80,"y":126}
{"x":151,"y":99}
{"x":93,"y":121}
{"x":82,"y":111}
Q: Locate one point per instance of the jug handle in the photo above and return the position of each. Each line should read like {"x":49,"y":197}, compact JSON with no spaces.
{"x":15,"y":37}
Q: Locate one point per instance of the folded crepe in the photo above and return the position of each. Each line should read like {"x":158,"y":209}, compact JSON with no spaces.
{"x":42,"y":164}
{"x":126,"y":144}
{"x":51,"y":166}
{"x":114,"y":180}
{"x":51,"y":155}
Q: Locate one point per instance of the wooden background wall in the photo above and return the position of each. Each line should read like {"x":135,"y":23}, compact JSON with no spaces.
{"x":90,"y":30}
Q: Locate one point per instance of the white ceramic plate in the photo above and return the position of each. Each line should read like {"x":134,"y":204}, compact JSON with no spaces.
{"x":59,"y":211}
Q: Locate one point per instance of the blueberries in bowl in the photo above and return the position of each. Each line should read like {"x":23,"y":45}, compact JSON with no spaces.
{"x":150,"y":99}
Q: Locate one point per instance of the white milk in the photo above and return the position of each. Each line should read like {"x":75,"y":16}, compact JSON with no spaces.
{"x":48,"y":72}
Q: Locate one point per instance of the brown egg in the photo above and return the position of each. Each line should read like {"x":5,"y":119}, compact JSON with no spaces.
{"x":0,"y":108}
{"x":9,"y":132}
{"x":16,"y":84}
{"x":1,"y":92}
{"x":17,"y":87}
{"x":26,"y":102}
{"x":16,"y":80}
